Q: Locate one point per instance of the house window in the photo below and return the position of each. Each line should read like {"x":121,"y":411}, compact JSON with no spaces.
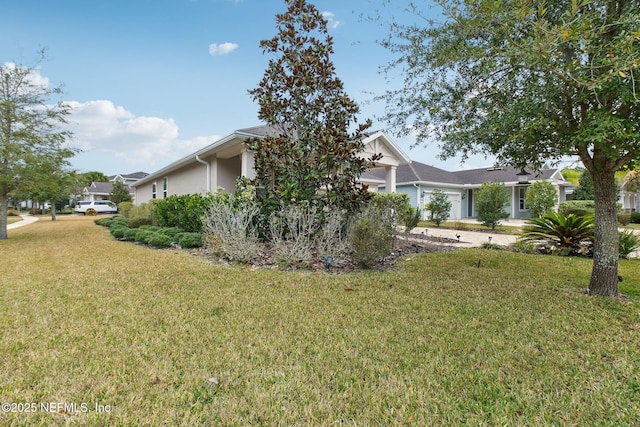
{"x":165,"y":185}
{"x":154,"y":189}
{"x":522,"y":191}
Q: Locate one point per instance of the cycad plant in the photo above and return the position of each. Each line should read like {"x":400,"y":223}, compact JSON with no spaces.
{"x":568,"y":234}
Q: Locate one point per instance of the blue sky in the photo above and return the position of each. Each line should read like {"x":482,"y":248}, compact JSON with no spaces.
{"x":154,"y":80}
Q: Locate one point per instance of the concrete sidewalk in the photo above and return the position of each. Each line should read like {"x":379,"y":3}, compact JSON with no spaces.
{"x":26,"y":219}
{"x":468,"y":239}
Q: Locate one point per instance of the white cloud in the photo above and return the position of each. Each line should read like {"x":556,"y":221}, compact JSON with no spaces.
{"x":222,"y":49}
{"x":34,"y":76}
{"x":126,"y":140}
{"x":331,"y":22}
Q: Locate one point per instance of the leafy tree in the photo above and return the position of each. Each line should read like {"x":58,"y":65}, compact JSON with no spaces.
{"x":541,"y":197}
{"x":311,"y":155}
{"x":584,"y":190}
{"x":87,"y":178}
{"x":564,"y":75}
{"x":119,"y":193}
{"x":491,"y":199}
{"x":30,"y":129}
{"x":439,"y":206}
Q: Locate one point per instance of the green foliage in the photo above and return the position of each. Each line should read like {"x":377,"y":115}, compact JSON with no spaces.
{"x":395,"y":206}
{"x":183,"y":211}
{"x":572,"y":175}
{"x":119,"y":193}
{"x":624,"y":218}
{"x":159,"y":240}
{"x":171,"y":231}
{"x":130,"y":234}
{"x":140,"y":215}
{"x":311,"y":155}
{"x":629,"y":242}
{"x":635,"y":217}
{"x":143,"y":236}
{"x":33,"y":151}
{"x":118,"y":230}
{"x":85,"y":179}
{"x":439,"y":206}
{"x":584,"y":190}
{"x":569,"y":235}
{"x":528,"y":82}
{"x":413,"y":220}
{"x":370,"y":241}
{"x":577,"y":207}
{"x":188,"y":240}
{"x":491,"y":199}
{"x":541,"y":196}
{"x":125,"y":208}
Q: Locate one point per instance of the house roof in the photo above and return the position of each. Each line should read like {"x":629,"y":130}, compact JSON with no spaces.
{"x":103,"y":188}
{"x":239,"y":136}
{"x":417,"y":172}
{"x":129,"y":176}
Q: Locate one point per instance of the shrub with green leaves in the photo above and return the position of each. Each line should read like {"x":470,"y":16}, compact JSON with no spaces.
{"x":628,"y":242}
{"x":183,"y":211}
{"x":370,"y":241}
{"x":143,"y":235}
{"x":624,"y":218}
{"x":118,"y":231}
{"x":491,"y":199}
{"x":159,"y":240}
{"x":577,"y":207}
{"x":635,"y":217}
{"x":541,"y":196}
{"x":188,"y":240}
{"x":125,"y":208}
{"x":141,"y":215}
{"x":567,"y":234}
{"x":439,"y":206}
{"x":130,"y":234}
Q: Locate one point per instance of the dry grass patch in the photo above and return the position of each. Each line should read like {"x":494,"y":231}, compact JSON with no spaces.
{"x":164,"y":337}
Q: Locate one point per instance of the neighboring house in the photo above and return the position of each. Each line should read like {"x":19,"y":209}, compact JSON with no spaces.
{"x":418,"y":181}
{"x":630,"y":192}
{"x":221,"y":163}
{"x":101,"y":190}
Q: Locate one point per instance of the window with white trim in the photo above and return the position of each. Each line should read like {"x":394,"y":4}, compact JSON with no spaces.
{"x":154,"y":190}
{"x":165,"y":187}
{"x":522,"y":193}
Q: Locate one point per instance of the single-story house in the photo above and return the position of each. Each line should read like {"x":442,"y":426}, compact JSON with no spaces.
{"x":630,"y":192}
{"x":219,"y":164}
{"x":418,"y":181}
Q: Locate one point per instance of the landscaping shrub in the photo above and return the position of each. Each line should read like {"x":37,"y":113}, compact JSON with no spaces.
{"x":125,"y":208}
{"x":628,"y":242}
{"x":140,"y":215}
{"x":104,"y":222}
{"x":577,"y":207}
{"x":540,"y":197}
{"x":231,"y":230}
{"x":130,"y":234}
{"x":370,"y":241}
{"x":12,"y":212}
{"x":624,"y":218}
{"x":491,"y":199}
{"x":159,"y":240}
{"x":291,"y":231}
{"x":189,"y":240}
{"x":118,"y":231}
{"x":439,"y":207}
{"x":171,"y":231}
{"x":568,"y":234}
{"x":183,"y":211}
{"x":635,"y":217}
{"x":143,"y":235}
{"x":332,"y":238}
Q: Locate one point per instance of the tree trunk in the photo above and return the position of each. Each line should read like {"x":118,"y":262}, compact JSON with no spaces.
{"x":3,"y":217}
{"x":604,"y":276}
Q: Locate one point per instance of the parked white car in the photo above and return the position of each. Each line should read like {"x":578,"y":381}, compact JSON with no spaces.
{"x":95,"y":207}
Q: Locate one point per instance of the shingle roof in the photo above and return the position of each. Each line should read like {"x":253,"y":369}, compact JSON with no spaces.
{"x":104,"y":188}
{"x":499,"y":174}
{"x":419,"y":172}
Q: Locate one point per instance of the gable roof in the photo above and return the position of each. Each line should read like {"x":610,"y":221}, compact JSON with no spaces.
{"x":102,"y":188}
{"x":129,"y":176}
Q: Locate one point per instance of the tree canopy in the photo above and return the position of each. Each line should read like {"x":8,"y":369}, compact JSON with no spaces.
{"x":313,"y":153}
{"x":528,"y":82}
{"x":30,"y":129}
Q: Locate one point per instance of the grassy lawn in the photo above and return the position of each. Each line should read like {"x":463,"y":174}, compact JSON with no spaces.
{"x":163,"y":337}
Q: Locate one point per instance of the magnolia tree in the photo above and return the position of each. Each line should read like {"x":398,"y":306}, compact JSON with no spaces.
{"x":528,"y":82}
{"x":313,"y":153}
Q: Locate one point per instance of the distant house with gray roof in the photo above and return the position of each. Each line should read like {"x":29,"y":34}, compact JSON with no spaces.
{"x":419,"y":180}
{"x":101,"y":190}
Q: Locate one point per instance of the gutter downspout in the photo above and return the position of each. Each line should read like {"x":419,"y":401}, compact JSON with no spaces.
{"x":199,"y":160}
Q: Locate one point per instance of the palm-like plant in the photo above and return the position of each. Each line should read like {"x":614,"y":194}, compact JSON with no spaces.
{"x":569,"y":233}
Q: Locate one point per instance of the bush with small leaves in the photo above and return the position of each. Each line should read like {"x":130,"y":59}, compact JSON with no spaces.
{"x":370,"y":241}
{"x":624,"y":218}
{"x":140,"y":215}
{"x":104,"y":222}
{"x":130,"y":234}
{"x":171,"y":231}
{"x":188,"y":240}
{"x":118,"y":231}
{"x":635,"y":217}
{"x":143,"y":235}
{"x":159,"y":240}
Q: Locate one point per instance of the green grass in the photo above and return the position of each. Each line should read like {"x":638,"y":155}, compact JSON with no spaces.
{"x":472,"y":337}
